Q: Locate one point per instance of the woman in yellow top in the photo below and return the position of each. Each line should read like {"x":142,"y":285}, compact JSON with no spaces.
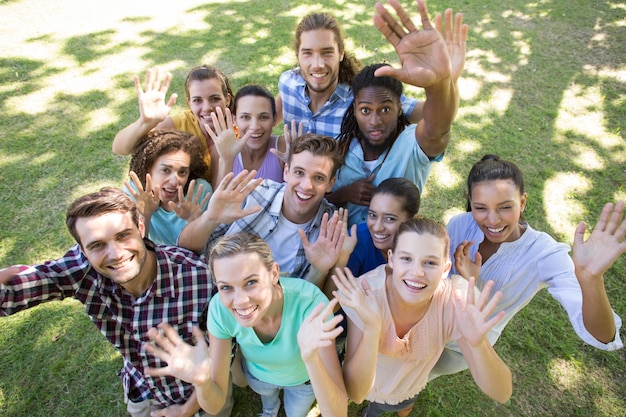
{"x":206,"y":88}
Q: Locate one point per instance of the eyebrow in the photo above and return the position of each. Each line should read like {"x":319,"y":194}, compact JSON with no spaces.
{"x":90,"y":243}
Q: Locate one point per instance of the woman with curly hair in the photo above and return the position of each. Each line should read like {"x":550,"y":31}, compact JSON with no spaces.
{"x":206,"y":89}
{"x":166,"y":183}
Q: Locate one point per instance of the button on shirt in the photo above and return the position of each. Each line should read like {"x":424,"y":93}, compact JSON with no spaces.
{"x":327,"y":121}
{"x":179,"y":293}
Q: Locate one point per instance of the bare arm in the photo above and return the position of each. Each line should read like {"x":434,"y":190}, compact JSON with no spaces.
{"x":153,"y":111}
{"x":426,"y":63}
{"x":488,"y":370}
{"x":359,"y":366}
{"x":592,"y":258}
{"x":316,"y":339}
{"x":207,"y":369}
{"x":224,"y":208}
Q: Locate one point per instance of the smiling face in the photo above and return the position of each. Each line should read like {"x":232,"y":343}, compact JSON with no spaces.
{"x":497,"y":207}
{"x":255,"y":113}
{"x":419,"y":262}
{"x":169,"y":172}
{"x":309,"y":177}
{"x":205,"y":96}
{"x":113,"y":244}
{"x":319,"y":58}
{"x":384,"y":218}
{"x":246,"y":286}
{"x":377,"y":110}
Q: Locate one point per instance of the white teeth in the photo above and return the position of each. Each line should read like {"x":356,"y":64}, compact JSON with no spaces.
{"x":304,"y":197}
{"x":258,"y":135}
{"x":415,"y":285}
{"x":245,"y":312}
{"x":380,"y":237}
{"x":120,"y":264}
{"x":495,"y":230}
{"x":318,"y":75}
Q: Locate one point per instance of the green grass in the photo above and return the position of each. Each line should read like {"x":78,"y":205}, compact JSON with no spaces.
{"x":543,"y":86}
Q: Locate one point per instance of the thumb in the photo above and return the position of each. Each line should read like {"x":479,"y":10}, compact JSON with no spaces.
{"x":388,"y":71}
{"x":580,"y":233}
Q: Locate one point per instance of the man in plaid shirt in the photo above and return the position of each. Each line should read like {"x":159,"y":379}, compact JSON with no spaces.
{"x":128,"y":285}
{"x":318,"y":91}
{"x":302,"y":229}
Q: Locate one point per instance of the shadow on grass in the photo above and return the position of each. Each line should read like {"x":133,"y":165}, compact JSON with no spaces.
{"x":534,"y":53}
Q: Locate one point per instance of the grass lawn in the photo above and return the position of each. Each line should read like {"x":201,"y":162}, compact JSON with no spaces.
{"x":544,"y":86}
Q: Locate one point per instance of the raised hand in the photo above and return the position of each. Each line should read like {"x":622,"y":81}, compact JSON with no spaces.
{"x":225,"y":204}
{"x":423,"y":53}
{"x":290,"y":135}
{"x":190,"y":207}
{"x":184,"y":361}
{"x":324,"y":252}
{"x":605,"y":244}
{"x":357,"y":295}
{"x":463,"y":261}
{"x":152,"y":106}
{"x":473,"y":316}
{"x":317,"y":332}
{"x":456,"y":40}
{"x":146,"y":200}
{"x":225,"y":135}
{"x":350,"y":239}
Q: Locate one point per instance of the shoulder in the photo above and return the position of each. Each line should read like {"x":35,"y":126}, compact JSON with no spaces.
{"x":180,"y":257}
{"x":291,"y":76}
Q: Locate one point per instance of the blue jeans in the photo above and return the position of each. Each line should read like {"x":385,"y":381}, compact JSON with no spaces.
{"x":298,"y":399}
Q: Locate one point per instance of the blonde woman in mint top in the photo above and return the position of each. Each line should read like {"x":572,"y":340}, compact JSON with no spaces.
{"x":281,"y":329}
{"x":492,"y":242}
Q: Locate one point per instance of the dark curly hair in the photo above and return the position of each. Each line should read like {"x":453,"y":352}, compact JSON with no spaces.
{"x":161,"y":142}
{"x":349,"y":124}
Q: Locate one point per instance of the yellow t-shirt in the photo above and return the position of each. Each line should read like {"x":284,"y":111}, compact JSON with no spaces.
{"x":187,"y":122}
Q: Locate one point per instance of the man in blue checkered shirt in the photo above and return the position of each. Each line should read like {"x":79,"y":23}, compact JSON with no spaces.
{"x":128,"y":285}
{"x":318,"y":92}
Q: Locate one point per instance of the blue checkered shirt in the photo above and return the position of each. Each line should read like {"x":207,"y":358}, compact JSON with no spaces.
{"x":327,"y":121}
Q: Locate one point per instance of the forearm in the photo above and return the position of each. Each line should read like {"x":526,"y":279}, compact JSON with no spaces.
{"x":597,"y":312}
{"x":211,"y":397}
{"x":317,"y":277}
{"x":191,"y":406}
{"x":490,"y":373}
{"x":195,"y":235}
{"x":330,"y":392}
{"x":224,"y":166}
{"x":126,"y":139}
{"x":439,"y":111}
{"x":359,"y":369}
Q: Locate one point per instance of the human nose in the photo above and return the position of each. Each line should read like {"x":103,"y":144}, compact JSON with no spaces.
{"x":318,"y":61}
{"x":306,"y":183}
{"x":493,"y":217}
{"x":378,"y":224}
{"x":240,"y":298}
{"x":114,"y":251}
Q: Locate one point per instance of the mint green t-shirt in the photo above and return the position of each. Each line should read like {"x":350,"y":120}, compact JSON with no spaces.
{"x":277,"y":362}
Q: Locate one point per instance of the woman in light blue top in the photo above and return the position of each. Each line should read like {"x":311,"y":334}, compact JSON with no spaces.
{"x":281,"y":329}
{"x":166,"y":183}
